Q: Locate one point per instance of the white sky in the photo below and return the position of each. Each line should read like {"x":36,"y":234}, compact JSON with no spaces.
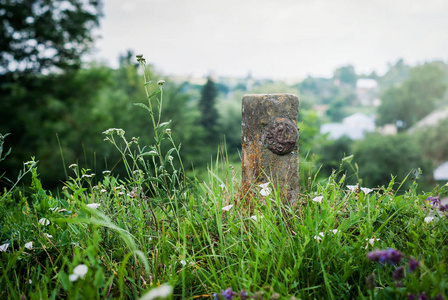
{"x":274,"y":38}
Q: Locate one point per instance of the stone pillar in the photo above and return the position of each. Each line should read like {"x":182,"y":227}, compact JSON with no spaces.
{"x":269,"y":137}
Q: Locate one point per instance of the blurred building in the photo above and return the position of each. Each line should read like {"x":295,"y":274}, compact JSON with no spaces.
{"x":366,"y":92}
{"x":354,"y":127}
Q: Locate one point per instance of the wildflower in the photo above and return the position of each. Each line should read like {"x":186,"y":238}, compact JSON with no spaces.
{"x":366,"y":190}
{"x":103,"y":191}
{"x":168,"y":131}
{"x":161,"y":82}
{"x":4,"y":247}
{"x":319,"y":237}
{"x":30,"y":281}
{"x":48,"y":235}
{"x":352,"y":187}
{"x":370,"y":281}
{"x":111,"y":131}
{"x":162,"y":291}
{"x":398,"y":273}
{"x":106,"y":172}
{"x":44,"y":222}
{"x":88,"y":176}
{"x":428,"y":219}
{"x":413,"y":265}
{"x":435,"y":201}
{"x":265,"y":191}
{"x":29,"y":245}
{"x":79,"y":272}
{"x":120,"y":194}
{"x":318,"y":199}
{"x":183,"y":262}
{"x":371,"y":241}
{"x":390,"y":255}
{"x":93,"y":205}
{"x":335,"y":231}
{"x":227,"y":208}
{"x":73,"y":166}
{"x":255,"y":217}
{"x":228,"y":294}
{"x":443,"y":208}
{"x":222,"y":186}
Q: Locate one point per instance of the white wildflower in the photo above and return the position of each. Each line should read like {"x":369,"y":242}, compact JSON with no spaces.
{"x":120,"y":194}
{"x":48,"y":235}
{"x":428,"y":219}
{"x":162,"y":291}
{"x":352,"y":187}
{"x":44,"y":222}
{"x":183,"y":262}
{"x":371,"y":241}
{"x":112,"y":131}
{"x":161,"y":82}
{"x":29,"y":245}
{"x":265,"y":191}
{"x":4,"y":247}
{"x":106,"y":172}
{"x":227,"y":208}
{"x":30,"y":281}
{"x":93,"y":205}
{"x":222,"y":186}
{"x":168,"y":131}
{"x":318,"y":199}
{"x":366,"y":190}
{"x":319,"y":237}
{"x":255,"y":217}
{"x":79,"y":272}
{"x":335,"y":231}
{"x":103,"y":191}
{"x":73,"y":166}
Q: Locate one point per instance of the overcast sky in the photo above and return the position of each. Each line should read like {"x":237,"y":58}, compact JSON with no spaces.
{"x":278,"y":39}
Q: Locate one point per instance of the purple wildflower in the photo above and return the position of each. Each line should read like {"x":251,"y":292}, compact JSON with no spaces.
{"x":215,"y":296}
{"x":423,"y":296}
{"x":228,"y":294}
{"x":243,"y":295}
{"x":398,"y":273}
{"x":435,"y":201}
{"x":413,"y":265}
{"x":412,"y":296}
{"x":439,"y":297}
{"x":371,"y":282}
{"x":390,"y":255}
{"x":443,"y":208}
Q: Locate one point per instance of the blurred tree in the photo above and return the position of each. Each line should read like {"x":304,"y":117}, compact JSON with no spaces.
{"x":433,"y":141}
{"x":209,"y":113}
{"x":331,"y":154}
{"x":37,"y":35}
{"x":415,"y":98}
{"x":346,"y":74}
{"x":395,"y":75}
{"x":379,"y":157}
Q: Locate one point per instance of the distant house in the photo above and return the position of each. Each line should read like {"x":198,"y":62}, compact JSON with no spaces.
{"x":354,"y":127}
{"x":366,"y":90}
{"x":430,"y":120}
{"x":441,"y":172}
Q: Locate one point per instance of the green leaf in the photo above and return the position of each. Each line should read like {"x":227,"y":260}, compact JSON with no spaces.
{"x":153,"y":94}
{"x":65,"y":281}
{"x":143,"y":105}
{"x":150,"y":153}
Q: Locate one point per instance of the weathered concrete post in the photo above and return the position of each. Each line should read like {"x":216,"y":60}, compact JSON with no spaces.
{"x":269,"y":137}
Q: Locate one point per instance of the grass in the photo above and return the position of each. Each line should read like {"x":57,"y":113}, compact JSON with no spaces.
{"x":157,"y":232}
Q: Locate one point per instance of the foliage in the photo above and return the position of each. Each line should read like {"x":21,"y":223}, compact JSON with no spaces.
{"x":415,"y":98}
{"x":127,"y":242}
{"x":433,"y":141}
{"x":346,"y":74}
{"x":38,"y":35}
{"x":380,"y":156}
{"x":209,"y":113}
